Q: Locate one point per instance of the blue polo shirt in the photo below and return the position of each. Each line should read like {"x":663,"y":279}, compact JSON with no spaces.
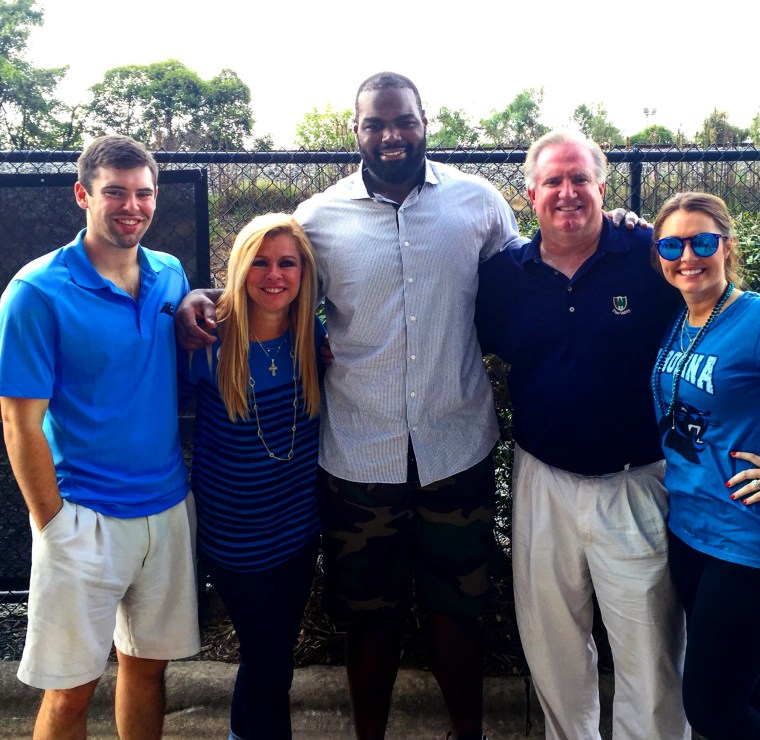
{"x":580,"y":349}
{"x":108,"y":365}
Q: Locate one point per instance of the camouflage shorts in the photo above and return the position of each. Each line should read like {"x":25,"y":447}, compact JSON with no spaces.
{"x":386,"y":544}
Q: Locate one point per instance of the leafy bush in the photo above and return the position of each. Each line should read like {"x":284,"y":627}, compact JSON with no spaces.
{"x":748,"y":238}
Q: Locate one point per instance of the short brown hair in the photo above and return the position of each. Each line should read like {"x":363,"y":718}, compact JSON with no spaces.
{"x":117,"y":151}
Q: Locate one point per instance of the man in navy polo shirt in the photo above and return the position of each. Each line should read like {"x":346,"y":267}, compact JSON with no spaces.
{"x":88,"y":387}
{"x":578,"y":314}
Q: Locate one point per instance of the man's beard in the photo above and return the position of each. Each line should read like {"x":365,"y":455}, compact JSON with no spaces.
{"x":395,"y":173}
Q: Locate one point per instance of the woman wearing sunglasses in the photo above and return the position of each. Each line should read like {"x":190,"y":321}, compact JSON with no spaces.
{"x":706,"y":385}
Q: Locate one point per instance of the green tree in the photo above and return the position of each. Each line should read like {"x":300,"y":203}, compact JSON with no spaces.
{"x":754,"y":130}
{"x":654,"y":134}
{"x":518,"y":124}
{"x":118,"y":103}
{"x":328,"y":129}
{"x":172,"y":100}
{"x":594,"y":124}
{"x":31,"y":116}
{"x":451,"y":128}
{"x":226,"y":112}
{"x":717,"y":131}
{"x":168,"y":106}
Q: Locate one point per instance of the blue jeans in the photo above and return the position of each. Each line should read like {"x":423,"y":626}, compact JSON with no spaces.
{"x":266,"y":609}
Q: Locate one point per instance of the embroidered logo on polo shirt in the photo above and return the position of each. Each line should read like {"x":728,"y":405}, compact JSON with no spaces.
{"x":620,"y":305}
{"x":168,"y":307}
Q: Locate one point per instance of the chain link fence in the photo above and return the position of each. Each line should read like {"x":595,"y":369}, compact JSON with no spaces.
{"x":206,"y":197}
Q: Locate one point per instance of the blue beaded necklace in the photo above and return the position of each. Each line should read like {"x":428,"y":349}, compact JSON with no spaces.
{"x":678,"y":330}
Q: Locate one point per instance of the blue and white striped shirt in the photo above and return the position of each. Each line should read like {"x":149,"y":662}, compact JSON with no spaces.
{"x":254,"y":512}
{"x":400,"y":286}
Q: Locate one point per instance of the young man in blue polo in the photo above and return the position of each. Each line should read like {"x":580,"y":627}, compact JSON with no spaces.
{"x":88,"y":387}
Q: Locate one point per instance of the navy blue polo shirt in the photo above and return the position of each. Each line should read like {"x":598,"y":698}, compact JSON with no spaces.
{"x":580,"y":349}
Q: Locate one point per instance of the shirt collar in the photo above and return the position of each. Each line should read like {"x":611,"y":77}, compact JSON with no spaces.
{"x":610,"y":240}
{"x":362,"y":191}
{"x":84,"y":273}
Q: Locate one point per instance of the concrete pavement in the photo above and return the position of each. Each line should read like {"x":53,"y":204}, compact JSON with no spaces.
{"x":198,"y":694}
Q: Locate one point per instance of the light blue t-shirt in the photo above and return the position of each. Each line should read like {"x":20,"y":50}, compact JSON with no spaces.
{"x":108,"y":365}
{"x":717,"y":411}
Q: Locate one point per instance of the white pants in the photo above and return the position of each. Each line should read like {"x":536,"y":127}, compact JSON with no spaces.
{"x":572,"y":536}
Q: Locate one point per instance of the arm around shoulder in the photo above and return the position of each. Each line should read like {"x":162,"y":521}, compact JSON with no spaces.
{"x":195,"y":317}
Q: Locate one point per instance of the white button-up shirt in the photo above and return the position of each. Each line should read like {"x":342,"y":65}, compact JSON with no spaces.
{"x":399,"y":286}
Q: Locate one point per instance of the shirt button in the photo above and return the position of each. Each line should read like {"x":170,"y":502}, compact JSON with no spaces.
{"x":411,"y":280}
{"x":570,"y":289}
{"x":414,"y":357}
{"x":572,"y":309}
{"x":413,"y":318}
{"x":406,"y":244}
{"x":413,"y":394}
{"x":414,"y":429}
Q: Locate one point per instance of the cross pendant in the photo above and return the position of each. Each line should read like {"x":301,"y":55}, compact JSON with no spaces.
{"x":273,"y":368}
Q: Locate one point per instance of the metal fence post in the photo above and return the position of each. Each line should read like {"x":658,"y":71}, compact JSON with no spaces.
{"x":634,"y":180}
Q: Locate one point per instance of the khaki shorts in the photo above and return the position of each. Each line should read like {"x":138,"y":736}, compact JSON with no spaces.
{"x":98,"y":580}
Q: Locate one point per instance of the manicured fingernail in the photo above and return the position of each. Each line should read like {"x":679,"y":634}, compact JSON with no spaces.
{"x":728,"y":484}
{"x":745,"y":502}
{"x":732,"y":453}
{"x":733,"y":496}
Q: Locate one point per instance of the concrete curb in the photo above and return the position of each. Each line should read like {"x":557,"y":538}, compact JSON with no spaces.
{"x":198,"y":695}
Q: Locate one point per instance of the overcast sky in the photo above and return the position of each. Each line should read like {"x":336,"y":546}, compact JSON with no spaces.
{"x":682,"y":58}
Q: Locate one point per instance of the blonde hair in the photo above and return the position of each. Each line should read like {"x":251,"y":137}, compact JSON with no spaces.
{"x":716,"y":209}
{"x":233,"y":373}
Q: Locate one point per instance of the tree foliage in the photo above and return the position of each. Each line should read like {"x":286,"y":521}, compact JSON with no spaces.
{"x":327,"y":129}
{"x":168,"y":106}
{"x":518,"y":124}
{"x":226,"y":113}
{"x":450,"y":129}
{"x":117,"y":102}
{"x":717,"y":131}
{"x":754,"y":130}
{"x":654,"y":134}
{"x":31,"y":116}
{"x":594,"y":124}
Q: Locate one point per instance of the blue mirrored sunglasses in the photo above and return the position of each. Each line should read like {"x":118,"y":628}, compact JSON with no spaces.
{"x":703,"y":245}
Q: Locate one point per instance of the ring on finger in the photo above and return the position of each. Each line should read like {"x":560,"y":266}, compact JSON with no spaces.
{"x":755,"y":483}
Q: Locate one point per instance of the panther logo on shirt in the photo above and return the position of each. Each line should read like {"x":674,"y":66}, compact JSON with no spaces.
{"x":685,"y":433}
{"x":167,"y":308}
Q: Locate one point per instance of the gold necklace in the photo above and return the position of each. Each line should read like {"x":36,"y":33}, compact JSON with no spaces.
{"x":252,"y":384}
